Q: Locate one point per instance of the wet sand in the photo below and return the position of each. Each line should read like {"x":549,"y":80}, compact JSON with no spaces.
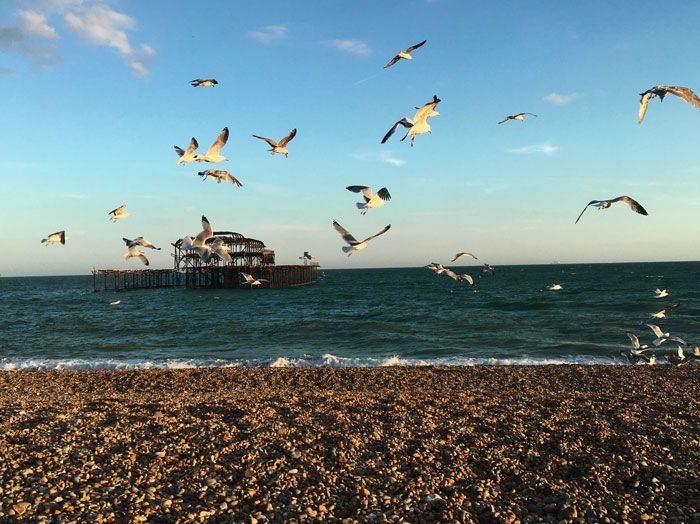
{"x":476,"y":444}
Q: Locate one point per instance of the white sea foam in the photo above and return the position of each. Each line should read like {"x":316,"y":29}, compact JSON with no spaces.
{"x":307,"y":361}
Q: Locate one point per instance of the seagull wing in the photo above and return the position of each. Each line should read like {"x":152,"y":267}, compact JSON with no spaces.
{"x":634,"y":339}
{"x":230,"y":178}
{"x":505,"y":119}
{"x":206,"y":233}
{"x":468,"y":278}
{"x":643,"y":103}
{"x":532,"y":114}
{"x":416,"y":46}
{"x":288,"y":138}
{"x":271,"y":142}
{"x":584,"y":209}
{"x":142,"y":258}
{"x":383,"y":193}
{"x":656,"y":329}
{"x":118,"y":210}
{"x":219,"y":143}
{"x":424,"y":112}
{"x":392,"y":61}
{"x":686,"y":94}
{"x":129,"y":243}
{"x":403,"y":122}
{"x":636,"y":207}
{"x":386,"y":228}
{"x":351,"y":240}
{"x":358,"y":189}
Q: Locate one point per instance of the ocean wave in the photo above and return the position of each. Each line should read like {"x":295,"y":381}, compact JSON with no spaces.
{"x":306,"y":361}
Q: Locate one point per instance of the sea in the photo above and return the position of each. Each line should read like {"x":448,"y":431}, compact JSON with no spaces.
{"x":362,"y":317}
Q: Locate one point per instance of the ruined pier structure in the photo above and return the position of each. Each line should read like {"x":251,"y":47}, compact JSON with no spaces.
{"x":248,"y":255}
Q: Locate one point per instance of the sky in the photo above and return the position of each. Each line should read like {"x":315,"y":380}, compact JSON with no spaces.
{"x":95,"y":94}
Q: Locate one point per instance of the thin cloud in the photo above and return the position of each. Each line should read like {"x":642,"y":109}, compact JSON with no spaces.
{"x":559,"y":100}
{"x":269,"y":33}
{"x":352,"y":47}
{"x":36,"y":24}
{"x":384,"y":156}
{"x":6,"y":71}
{"x":100,"y":25}
{"x":545,"y":148}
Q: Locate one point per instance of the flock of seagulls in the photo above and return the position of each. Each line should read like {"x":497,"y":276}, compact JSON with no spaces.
{"x":646,"y":354}
{"x":209,"y":247}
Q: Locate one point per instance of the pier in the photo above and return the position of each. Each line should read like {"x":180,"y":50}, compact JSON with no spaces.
{"x":248,"y":255}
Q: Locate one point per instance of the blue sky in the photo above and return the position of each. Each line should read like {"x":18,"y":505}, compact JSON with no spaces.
{"x":95,"y":94}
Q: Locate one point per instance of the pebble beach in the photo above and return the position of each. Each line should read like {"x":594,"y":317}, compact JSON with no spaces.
{"x":402,"y":444}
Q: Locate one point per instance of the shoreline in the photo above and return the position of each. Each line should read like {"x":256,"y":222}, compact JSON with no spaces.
{"x":594,"y":443}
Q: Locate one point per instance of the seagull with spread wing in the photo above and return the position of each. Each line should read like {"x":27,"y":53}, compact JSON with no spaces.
{"x":133,"y":251}
{"x":661,"y":337}
{"x":353,"y":244}
{"x":219,"y":175}
{"x":555,"y":287}
{"x":140,"y":241}
{"x":372,"y":200}
{"x":250,"y":280}
{"x":203,"y":82}
{"x":660,"y":293}
{"x":661,"y":91}
{"x":55,"y":238}
{"x":519,"y":117}
{"x":662,"y":313}
{"x":214,"y":152}
{"x":406,"y":55}
{"x":280,"y":147}
{"x":419,"y":124}
{"x":604,"y":204}
{"x":187,"y":155}
{"x":118,"y":213}
{"x":463,"y":254}
{"x":197,"y":243}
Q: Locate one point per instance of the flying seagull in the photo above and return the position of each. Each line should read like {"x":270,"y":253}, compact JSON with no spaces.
{"x":372,"y":200}
{"x":660,"y":293}
{"x":213,"y":154}
{"x":662,"y":313}
{"x":463,"y":254}
{"x":353,"y":244}
{"x":219,"y":175}
{"x":55,"y":238}
{"x":197,"y":243}
{"x":187,"y":156}
{"x":661,"y":91}
{"x":115,"y":303}
{"x":279,"y":148}
{"x":661,"y":337}
{"x":555,"y":287}
{"x":203,"y":82}
{"x":139,"y":241}
{"x":133,"y":251}
{"x":419,"y":124}
{"x":519,"y":117}
{"x":406,"y":55}
{"x":467,"y":278}
{"x":219,"y":248}
{"x":637,"y":349}
{"x":118,"y":213}
{"x":487,"y":270}
{"x":604,"y":204}
{"x":249,"y":280}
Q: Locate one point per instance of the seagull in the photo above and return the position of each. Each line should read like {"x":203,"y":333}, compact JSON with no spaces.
{"x":115,"y":303}
{"x":133,"y":251}
{"x":637,"y":349}
{"x":661,"y":91}
{"x":55,"y":238}
{"x":406,"y":55}
{"x":467,"y":278}
{"x":140,"y":241}
{"x":354,"y":245}
{"x":202,"y":82}
{"x":118,"y":213}
{"x":487,"y":269}
{"x":419,"y":124}
{"x":372,"y":200}
{"x":212,"y":155}
{"x":187,"y":156}
{"x":660,"y":293}
{"x":306,"y":256}
{"x":694,"y":348}
{"x":662,"y":313}
{"x":555,"y":287}
{"x":219,"y":175}
{"x":519,"y":117}
{"x":197,"y":243}
{"x":604,"y":204}
{"x":463,"y":254}
{"x":279,"y":148}
{"x":678,"y":358}
{"x":219,"y":248}
{"x":249,"y":280}
{"x":454,"y":276}
{"x":435,"y":268}
{"x":661,"y":337}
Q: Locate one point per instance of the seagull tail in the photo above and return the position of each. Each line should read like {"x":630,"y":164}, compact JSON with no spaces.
{"x":348,"y":249}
